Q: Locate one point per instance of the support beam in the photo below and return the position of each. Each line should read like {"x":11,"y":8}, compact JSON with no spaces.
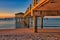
{"x":35,"y":23}
{"x":41,"y":22}
{"x":28,"y":22}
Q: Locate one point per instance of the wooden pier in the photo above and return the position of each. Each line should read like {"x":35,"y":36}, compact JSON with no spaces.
{"x":42,"y":8}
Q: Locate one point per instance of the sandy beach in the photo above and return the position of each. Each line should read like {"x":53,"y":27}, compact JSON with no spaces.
{"x":28,"y":34}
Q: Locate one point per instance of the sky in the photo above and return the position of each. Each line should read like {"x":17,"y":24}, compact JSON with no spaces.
{"x":9,"y":7}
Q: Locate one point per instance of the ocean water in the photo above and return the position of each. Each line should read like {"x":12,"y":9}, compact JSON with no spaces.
{"x":51,"y":23}
{"x":7,"y":24}
{"x":47,"y":23}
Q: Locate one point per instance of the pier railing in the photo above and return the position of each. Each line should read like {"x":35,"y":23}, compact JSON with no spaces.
{"x":29,"y":8}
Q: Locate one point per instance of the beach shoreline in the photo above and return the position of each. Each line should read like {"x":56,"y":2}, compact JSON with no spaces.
{"x":28,"y":30}
{"x":29,"y":34}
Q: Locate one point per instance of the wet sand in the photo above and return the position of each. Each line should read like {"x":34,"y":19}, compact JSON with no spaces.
{"x":28,"y":34}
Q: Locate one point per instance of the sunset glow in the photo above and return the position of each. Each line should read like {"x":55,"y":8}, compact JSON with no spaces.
{"x":8,"y":8}
{"x":6,"y":15}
